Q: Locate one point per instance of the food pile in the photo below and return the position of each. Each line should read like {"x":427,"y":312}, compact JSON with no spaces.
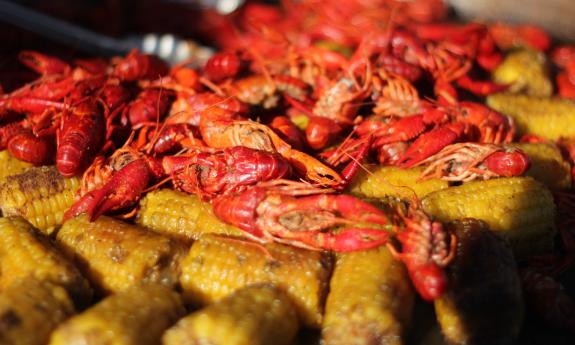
{"x":332,"y":162}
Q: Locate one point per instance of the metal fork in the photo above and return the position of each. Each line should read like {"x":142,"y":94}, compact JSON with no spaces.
{"x":169,"y":47}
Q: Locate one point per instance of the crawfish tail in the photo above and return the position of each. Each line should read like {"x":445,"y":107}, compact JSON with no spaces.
{"x":80,"y":138}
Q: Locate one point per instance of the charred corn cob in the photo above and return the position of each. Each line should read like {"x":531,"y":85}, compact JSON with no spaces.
{"x":547,"y":165}
{"x":550,"y":118}
{"x":393,"y":181}
{"x":255,"y":315}
{"x":10,"y":165}
{"x":370,"y":300}
{"x":115,"y":255}
{"x":180,"y":215}
{"x":216,"y":266}
{"x":519,"y":208}
{"x":525,"y":71}
{"x":484,"y":303}
{"x":39,"y":195}
{"x":30,"y":310}
{"x":137,"y":316}
{"x":25,"y":253}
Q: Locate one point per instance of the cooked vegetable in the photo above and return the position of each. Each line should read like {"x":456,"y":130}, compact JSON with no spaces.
{"x":384,"y":181}
{"x":10,"y":165}
{"x":550,"y":118}
{"x":24,"y":253}
{"x":254,"y":315}
{"x":217,"y":266}
{"x":525,"y":71}
{"x":181,"y":215}
{"x":519,"y":208}
{"x":30,"y":310}
{"x":484,"y":304}
{"x":370,"y":300}
{"x":136,"y":316}
{"x":547,"y":165}
{"x":115,"y":255}
{"x":40,"y":195}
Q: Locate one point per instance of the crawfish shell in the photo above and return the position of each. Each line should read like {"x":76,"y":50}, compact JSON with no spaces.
{"x":484,"y":304}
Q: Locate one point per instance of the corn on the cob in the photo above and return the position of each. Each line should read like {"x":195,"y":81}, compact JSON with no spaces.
{"x":11,"y":166}
{"x":370,"y":300}
{"x":25,"y":253}
{"x":484,"y":303}
{"x":525,"y":71}
{"x":115,"y":255}
{"x":216,"y":266}
{"x":384,"y":181}
{"x":137,"y":316}
{"x":30,"y":310}
{"x":547,"y":165}
{"x":39,"y":195}
{"x":519,"y":208}
{"x":255,"y":315}
{"x":181,"y":215}
{"x":550,"y":118}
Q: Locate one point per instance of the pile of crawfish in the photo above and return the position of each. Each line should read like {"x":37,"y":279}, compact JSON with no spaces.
{"x":273,"y":127}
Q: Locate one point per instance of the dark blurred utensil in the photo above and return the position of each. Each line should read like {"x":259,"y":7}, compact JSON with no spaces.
{"x":169,"y":47}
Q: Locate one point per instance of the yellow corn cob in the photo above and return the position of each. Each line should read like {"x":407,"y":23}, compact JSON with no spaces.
{"x":483,"y":304}
{"x":255,"y":315}
{"x":393,"y":181}
{"x":525,"y":71}
{"x":518,"y":208}
{"x":137,"y":316}
{"x":30,"y":310}
{"x":370,"y":300}
{"x":216,"y":266}
{"x":10,"y":165}
{"x":39,"y":195}
{"x":115,"y":255}
{"x":550,"y":118}
{"x":547,"y":165}
{"x":181,"y":215}
{"x":25,"y":253}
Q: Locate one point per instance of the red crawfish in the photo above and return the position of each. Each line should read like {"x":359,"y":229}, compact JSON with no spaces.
{"x":425,"y":252}
{"x":221,"y":129}
{"x":80,"y":137}
{"x":221,"y":66}
{"x":150,"y":106}
{"x":136,"y":66}
{"x":269,"y":214}
{"x":43,"y":64}
{"x":333,"y":111}
{"x":32,"y":148}
{"x":187,"y":108}
{"x":128,"y":174}
{"x":469,"y":161}
{"x":211,"y":173}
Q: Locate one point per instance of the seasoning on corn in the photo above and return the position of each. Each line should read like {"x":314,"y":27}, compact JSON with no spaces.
{"x":525,"y":71}
{"x":254,"y":315}
{"x":115,"y":255}
{"x":384,"y":181}
{"x":39,"y":195}
{"x":11,"y":166}
{"x":370,"y":300}
{"x":217,"y":266}
{"x":484,"y":304}
{"x":30,"y":310}
{"x":550,"y":118}
{"x":547,"y":165}
{"x":181,"y":215}
{"x":520,"y":209}
{"x":136,"y":316}
{"x":25,"y":253}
